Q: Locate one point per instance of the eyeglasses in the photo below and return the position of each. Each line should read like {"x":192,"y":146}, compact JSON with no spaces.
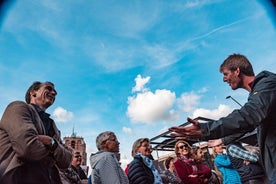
{"x":181,"y":147}
{"x":77,"y":156}
{"x":115,"y":140}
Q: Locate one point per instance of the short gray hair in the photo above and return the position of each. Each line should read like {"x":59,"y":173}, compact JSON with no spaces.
{"x":102,"y":137}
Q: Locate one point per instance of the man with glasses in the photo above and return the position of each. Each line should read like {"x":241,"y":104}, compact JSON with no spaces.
{"x":76,"y":165}
{"x":105,"y":163}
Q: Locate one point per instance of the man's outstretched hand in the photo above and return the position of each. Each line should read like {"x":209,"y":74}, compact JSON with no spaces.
{"x":191,"y":132}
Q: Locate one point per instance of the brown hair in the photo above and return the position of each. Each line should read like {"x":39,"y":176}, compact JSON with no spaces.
{"x":167,"y":162}
{"x":235,"y":61}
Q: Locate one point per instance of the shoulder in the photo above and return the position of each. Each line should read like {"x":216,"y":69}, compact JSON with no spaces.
{"x":17,"y":104}
{"x":136,"y":160}
{"x":17,"y":108}
{"x":265,"y":79}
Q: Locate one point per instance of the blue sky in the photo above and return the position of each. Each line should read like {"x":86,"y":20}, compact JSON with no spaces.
{"x":132,"y":67}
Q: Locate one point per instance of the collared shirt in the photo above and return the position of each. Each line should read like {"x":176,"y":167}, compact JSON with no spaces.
{"x":47,"y":121}
{"x":241,"y":153}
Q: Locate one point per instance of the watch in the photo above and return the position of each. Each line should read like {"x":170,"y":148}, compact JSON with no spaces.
{"x":54,"y":144}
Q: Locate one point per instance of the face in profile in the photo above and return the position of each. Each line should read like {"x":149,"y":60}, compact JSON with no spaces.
{"x":44,"y":96}
{"x":144,"y":149}
{"x":218,"y":149}
{"x":77,"y":158}
{"x":232,"y":78}
{"x":112,"y":144}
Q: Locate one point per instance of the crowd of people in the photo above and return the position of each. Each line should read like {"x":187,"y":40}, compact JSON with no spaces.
{"x":32,"y":151}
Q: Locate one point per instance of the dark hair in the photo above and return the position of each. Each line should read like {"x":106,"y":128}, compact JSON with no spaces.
{"x":235,"y":61}
{"x":34,"y":87}
{"x":167,"y":162}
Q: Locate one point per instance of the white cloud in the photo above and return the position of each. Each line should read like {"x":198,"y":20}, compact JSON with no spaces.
{"x":140,"y":83}
{"x":221,"y":111}
{"x":62,"y":115}
{"x":127,"y":130}
{"x":148,"y":107}
{"x":124,"y":161}
{"x":188,"y":101}
{"x":203,"y":90}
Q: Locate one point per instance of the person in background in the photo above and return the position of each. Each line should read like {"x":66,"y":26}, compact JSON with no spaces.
{"x":187,"y":169}
{"x":76,"y":165}
{"x":141,"y":170}
{"x":169,"y":175}
{"x":31,"y":147}
{"x":246,"y":163}
{"x":259,"y":112}
{"x":105,"y":163}
{"x":223,"y":163}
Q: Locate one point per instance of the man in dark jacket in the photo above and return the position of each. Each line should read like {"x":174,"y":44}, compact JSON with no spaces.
{"x":246,"y":163}
{"x":259,"y":112}
{"x":31,"y":148}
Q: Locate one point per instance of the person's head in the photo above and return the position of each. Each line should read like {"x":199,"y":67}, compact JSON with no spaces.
{"x":77,"y":158}
{"x":142,"y":146}
{"x":218,"y":149}
{"x":169,"y":163}
{"x":199,"y":155}
{"x":107,"y":141}
{"x":182,"y":148}
{"x":234,"y":68}
{"x":42,"y":94}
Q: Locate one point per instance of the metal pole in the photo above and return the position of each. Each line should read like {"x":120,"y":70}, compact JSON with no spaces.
{"x":233,"y":100}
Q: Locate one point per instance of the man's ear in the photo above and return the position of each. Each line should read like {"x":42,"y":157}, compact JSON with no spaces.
{"x":238,"y":71}
{"x":33,"y":93}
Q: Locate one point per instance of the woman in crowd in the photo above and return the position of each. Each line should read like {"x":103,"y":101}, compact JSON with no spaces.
{"x":188,"y":170}
{"x":141,"y":169}
{"x":168,"y":175}
{"x":223,"y":164}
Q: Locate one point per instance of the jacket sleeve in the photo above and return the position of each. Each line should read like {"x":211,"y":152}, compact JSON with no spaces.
{"x":222,"y":161}
{"x":259,"y":105}
{"x":61,"y":154}
{"x":204,"y":170}
{"x":18,"y":123}
{"x":183,"y":171}
{"x":243,"y":154}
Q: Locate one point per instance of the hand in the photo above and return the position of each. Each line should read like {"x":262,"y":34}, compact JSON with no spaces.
{"x":215,"y":142}
{"x":192,"y":175}
{"x":191,"y":132}
{"x":45,"y":139}
{"x":246,"y":162}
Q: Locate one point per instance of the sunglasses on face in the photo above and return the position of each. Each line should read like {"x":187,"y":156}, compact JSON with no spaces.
{"x":181,"y":147}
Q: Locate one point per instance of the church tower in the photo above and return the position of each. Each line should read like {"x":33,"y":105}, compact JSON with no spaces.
{"x":77,"y":144}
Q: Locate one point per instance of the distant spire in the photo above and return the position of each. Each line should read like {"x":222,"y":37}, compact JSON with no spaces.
{"x":74,"y":134}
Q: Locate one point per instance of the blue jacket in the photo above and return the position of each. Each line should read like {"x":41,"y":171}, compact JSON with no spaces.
{"x":229,"y":174}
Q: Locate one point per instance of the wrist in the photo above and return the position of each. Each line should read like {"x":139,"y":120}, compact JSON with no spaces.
{"x":53,"y":144}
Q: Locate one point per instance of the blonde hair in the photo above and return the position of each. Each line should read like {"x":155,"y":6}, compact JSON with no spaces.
{"x":137,"y":144}
{"x":176,"y":149}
